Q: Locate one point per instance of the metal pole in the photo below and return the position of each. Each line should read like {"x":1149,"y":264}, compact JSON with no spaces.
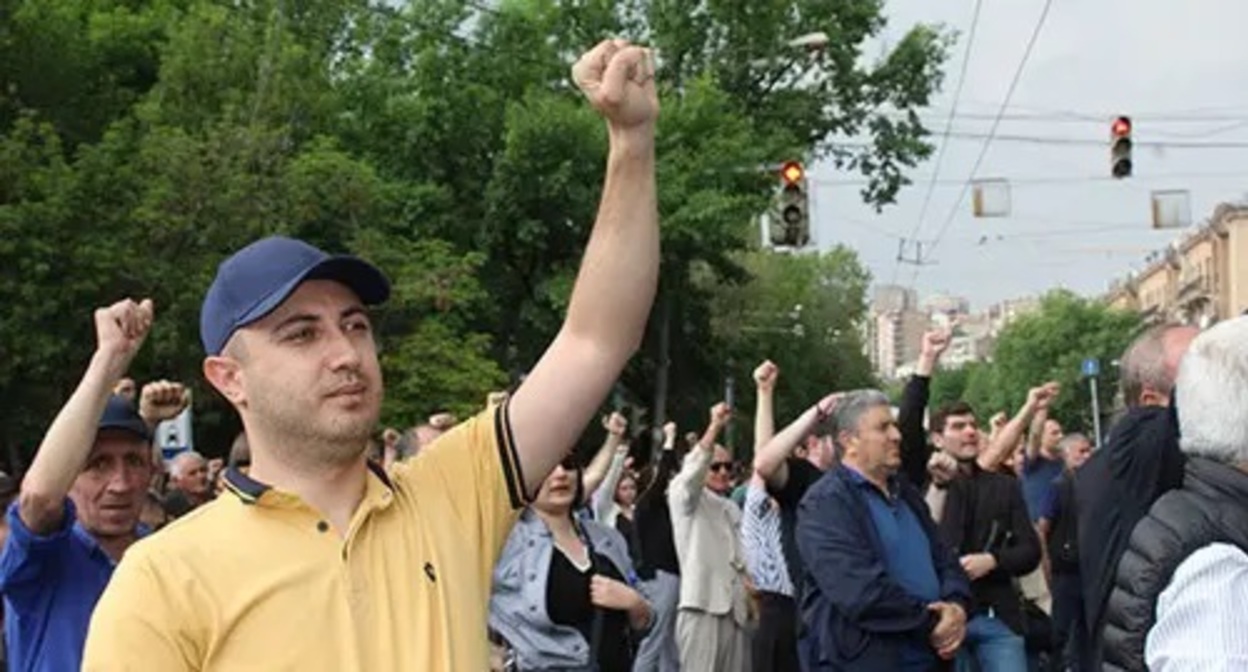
{"x":730,"y":385}
{"x":1096,"y":412}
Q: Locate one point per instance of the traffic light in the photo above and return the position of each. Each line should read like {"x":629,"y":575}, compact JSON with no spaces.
{"x":791,"y":225}
{"x":1120,"y":147}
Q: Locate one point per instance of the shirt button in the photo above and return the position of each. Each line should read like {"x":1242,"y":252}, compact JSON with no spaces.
{"x":322,"y":526}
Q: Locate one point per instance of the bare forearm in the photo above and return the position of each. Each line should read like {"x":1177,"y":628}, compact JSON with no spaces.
{"x":770,"y":460}
{"x":66,"y":446}
{"x":619,"y":274}
{"x":598,"y":467}
{"x":1035,"y":433}
{"x":764,"y":419}
{"x":606,"y":316}
{"x":1007,"y":439}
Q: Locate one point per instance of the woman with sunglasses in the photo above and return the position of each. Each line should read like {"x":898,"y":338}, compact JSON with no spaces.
{"x":563,"y":596}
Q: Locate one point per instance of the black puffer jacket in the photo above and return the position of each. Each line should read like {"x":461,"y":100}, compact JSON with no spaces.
{"x":1210,"y":507}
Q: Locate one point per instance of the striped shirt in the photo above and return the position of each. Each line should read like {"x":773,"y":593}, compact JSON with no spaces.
{"x":760,"y":538}
{"x":1201,"y":621}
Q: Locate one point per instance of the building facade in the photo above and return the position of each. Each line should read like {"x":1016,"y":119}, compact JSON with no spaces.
{"x":1199,"y":279}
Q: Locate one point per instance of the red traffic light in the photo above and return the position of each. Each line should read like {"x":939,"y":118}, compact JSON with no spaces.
{"x":1121,"y":127}
{"x":792,"y":172}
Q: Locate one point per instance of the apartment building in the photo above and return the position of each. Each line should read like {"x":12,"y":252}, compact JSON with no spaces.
{"x":1200,"y":278}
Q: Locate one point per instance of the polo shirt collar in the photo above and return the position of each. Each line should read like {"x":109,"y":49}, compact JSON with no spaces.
{"x":858,"y":479}
{"x":92,"y":544}
{"x":378,"y":490}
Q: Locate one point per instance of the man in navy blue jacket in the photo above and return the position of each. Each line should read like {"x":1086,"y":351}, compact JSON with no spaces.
{"x":882,"y":592}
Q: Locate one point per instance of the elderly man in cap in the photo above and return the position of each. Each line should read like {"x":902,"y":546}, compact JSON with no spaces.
{"x":79,"y":505}
{"x":319,"y":560}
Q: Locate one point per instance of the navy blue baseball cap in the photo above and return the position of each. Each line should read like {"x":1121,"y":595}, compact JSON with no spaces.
{"x":120,"y":414}
{"x":258,"y":278}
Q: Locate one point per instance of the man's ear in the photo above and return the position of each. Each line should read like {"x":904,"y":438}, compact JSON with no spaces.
{"x":936,"y":439}
{"x":226,"y":375}
{"x":845,"y":438}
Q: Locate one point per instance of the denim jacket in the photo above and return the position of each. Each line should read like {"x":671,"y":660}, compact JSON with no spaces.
{"x":518,"y":595}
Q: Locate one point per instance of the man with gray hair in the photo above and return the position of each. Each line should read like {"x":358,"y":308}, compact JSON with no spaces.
{"x":1177,"y":601}
{"x":190,"y":488}
{"x":1140,"y":461}
{"x":882,"y":592}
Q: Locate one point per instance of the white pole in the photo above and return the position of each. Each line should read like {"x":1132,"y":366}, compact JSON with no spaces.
{"x":1096,"y":412}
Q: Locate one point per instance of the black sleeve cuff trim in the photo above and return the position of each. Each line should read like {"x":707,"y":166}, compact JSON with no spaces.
{"x":509,"y":458}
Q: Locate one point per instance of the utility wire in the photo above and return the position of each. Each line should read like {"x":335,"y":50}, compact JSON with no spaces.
{"x":983,"y":151}
{"x":940,"y":152}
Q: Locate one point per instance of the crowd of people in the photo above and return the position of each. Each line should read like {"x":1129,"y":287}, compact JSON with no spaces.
{"x":862,"y":536}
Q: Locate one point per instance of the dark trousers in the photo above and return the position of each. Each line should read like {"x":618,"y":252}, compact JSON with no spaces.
{"x":774,"y":648}
{"x":1069,"y":633}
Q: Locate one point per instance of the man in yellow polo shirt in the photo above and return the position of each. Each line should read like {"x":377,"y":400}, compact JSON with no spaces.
{"x":317,"y":561}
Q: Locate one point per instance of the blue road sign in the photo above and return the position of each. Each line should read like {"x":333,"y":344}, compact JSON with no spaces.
{"x":1091,"y":367}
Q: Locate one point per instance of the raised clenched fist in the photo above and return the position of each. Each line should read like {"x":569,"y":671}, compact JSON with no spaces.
{"x":942,"y":468}
{"x":765,"y":376}
{"x":615,"y":424}
{"x":1044,"y":395}
{"x":121,"y":328}
{"x":163,"y":400}
{"x":935,"y":342}
{"x":721,"y":413}
{"x":618,"y":79}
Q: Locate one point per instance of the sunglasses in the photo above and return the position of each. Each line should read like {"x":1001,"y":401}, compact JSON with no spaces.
{"x":721,"y":466}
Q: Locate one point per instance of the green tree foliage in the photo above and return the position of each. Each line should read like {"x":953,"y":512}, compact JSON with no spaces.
{"x":800,"y":312}
{"x":1051,"y":344}
{"x":950,"y":384}
{"x":140,"y":142}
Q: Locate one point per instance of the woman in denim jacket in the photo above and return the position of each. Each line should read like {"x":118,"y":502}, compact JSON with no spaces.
{"x":564,"y":586}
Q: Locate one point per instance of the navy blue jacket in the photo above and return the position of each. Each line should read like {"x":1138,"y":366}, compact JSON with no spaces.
{"x":857,"y":616}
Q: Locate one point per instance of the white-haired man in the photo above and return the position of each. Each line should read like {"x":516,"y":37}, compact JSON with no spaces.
{"x":190,"y":488}
{"x":1177,"y":602}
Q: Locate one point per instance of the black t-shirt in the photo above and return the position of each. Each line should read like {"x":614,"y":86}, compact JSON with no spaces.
{"x":802,"y":475}
{"x":1063,"y":538}
{"x":1114,"y":489}
{"x":567,"y":603}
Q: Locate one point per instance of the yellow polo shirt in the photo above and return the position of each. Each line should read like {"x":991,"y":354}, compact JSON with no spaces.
{"x":257,"y":580}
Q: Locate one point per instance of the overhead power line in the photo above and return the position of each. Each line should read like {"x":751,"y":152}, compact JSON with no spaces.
{"x":940,"y":150}
{"x":1040,"y":180}
{"x":996,"y":123}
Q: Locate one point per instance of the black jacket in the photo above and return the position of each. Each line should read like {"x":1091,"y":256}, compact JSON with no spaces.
{"x":1211,"y":507}
{"x":1113,"y":491}
{"x":985,"y":513}
{"x":857,"y":617}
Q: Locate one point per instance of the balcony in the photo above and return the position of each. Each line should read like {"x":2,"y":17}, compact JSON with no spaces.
{"x":1193,"y":289}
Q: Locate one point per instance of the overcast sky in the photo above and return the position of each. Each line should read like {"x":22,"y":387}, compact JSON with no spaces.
{"x":1180,"y":69}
